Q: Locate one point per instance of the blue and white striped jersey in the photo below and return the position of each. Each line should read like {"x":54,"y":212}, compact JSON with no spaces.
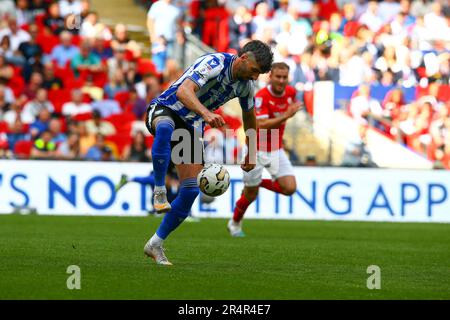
{"x":212,"y":73}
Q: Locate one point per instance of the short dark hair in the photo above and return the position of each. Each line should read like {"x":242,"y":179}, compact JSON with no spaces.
{"x":280,"y":65}
{"x":262,"y":53}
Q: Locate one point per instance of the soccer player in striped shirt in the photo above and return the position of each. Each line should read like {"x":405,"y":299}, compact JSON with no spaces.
{"x":177,"y":119}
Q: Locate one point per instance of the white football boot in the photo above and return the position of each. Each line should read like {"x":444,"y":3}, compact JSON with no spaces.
{"x":235,"y":229}
{"x":157,"y":254}
{"x":160,"y":203}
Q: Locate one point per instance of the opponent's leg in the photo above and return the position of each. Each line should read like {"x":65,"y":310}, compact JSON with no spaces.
{"x":161,"y":150}
{"x":252,"y":179}
{"x":181,"y":206}
{"x":248,"y":195}
{"x":285,"y":185}
{"x":282,"y":174}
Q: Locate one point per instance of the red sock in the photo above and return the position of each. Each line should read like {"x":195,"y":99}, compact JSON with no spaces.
{"x":271,"y":185}
{"x":241,"y":206}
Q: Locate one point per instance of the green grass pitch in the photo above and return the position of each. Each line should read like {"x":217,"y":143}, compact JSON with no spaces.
{"x":277,"y":259}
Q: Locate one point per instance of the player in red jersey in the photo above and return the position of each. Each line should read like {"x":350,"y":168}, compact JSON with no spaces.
{"x":274,"y":105}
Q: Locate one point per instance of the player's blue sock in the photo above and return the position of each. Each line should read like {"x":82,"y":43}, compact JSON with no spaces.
{"x":161,"y":151}
{"x":181,"y":207}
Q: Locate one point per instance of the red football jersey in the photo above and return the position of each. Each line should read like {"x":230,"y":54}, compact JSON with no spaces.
{"x":269,"y":106}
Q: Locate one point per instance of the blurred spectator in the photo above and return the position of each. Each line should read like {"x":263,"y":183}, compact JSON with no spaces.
{"x":116,"y":84}
{"x":16,"y":133}
{"x":41,"y":124}
{"x":262,"y":20}
{"x":149,"y":87}
{"x":76,"y":106}
{"x":43,"y":147}
{"x":136,"y":105}
{"x":163,"y":19}
{"x":85,"y":60}
{"x":310,"y":160}
{"x":132,"y":76}
{"x":15,"y":113}
{"x":34,"y":65}
{"x":240,"y":27}
{"x":4,"y":104}
{"x":53,"y":20}
{"x":30,"y":49}
{"x":122,"y":39}
{"x":99,"y":151}
{"x":89,"y":89}
{"x":70,"y":148}
{"x":137,"y":151}
{"x":65,"y":51}
{"x":54,"y":126}
{"x":101,"y":49}
{"x":356,"y":153}
{"x":352,"y":71}
{"x":388,"y":9}
{"x":40,"y":102}
{"x":67,"y":7}
{"x":7,"y":8}
{"x":51,"y":82}
{"x":6,"y":71}
{"x":172,"y":72}
{"x":107,"y":107}
{"x":15,"y":34}
{"x":159,"y":53}
{"x":38,"y":7}
{"x":363,"y":107}
{"x":35,"y":83}
{"x":97,"y":125}
{"x":117,"y":61}
{"x":86,"y":140}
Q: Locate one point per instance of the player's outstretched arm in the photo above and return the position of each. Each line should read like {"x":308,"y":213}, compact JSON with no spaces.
{"x":249,"y":121}
{"x":276,"y":122}
{"x":186,"y":94}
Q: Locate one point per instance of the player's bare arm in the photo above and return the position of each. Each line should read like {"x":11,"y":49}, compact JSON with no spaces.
{"x":186,"y":94}
{"x":249,"y":121}
{"x":276,"y":122}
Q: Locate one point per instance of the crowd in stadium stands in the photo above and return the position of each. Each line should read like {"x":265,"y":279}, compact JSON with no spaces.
{"x":73,"y":88}
{"x":376,"y":51}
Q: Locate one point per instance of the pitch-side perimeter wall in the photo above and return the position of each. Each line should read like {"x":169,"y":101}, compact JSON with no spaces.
{"x":87,"y":188}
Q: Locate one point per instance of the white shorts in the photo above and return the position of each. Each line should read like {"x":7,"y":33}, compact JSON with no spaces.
{"x":276,"y":163}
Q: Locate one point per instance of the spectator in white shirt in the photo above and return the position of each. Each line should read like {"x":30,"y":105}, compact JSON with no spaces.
{"x":436,"y":23}
{"x":32,"y":108}
{"x":67,"y":7}
{"x":370,"y":17}
{"x":363,"y":107}
{"x":16,"y":35}
{"x":76,"y":106}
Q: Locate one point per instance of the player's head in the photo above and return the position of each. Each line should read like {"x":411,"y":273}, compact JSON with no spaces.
{"x":254,"y":58}
{"x":279,"y":77}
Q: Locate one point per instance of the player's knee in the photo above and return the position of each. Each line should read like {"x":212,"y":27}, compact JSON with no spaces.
{"x":164,"y":128}
{"x":251,"y":193}
{"x":289,"y":189}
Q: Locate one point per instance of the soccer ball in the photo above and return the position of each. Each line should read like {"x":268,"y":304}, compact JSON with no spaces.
{"x":213,"y":180}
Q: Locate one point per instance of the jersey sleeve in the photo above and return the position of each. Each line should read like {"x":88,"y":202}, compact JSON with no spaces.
{"x":261,"y":106}
{"x":207,"y":69}
{"x":247,"y":99}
